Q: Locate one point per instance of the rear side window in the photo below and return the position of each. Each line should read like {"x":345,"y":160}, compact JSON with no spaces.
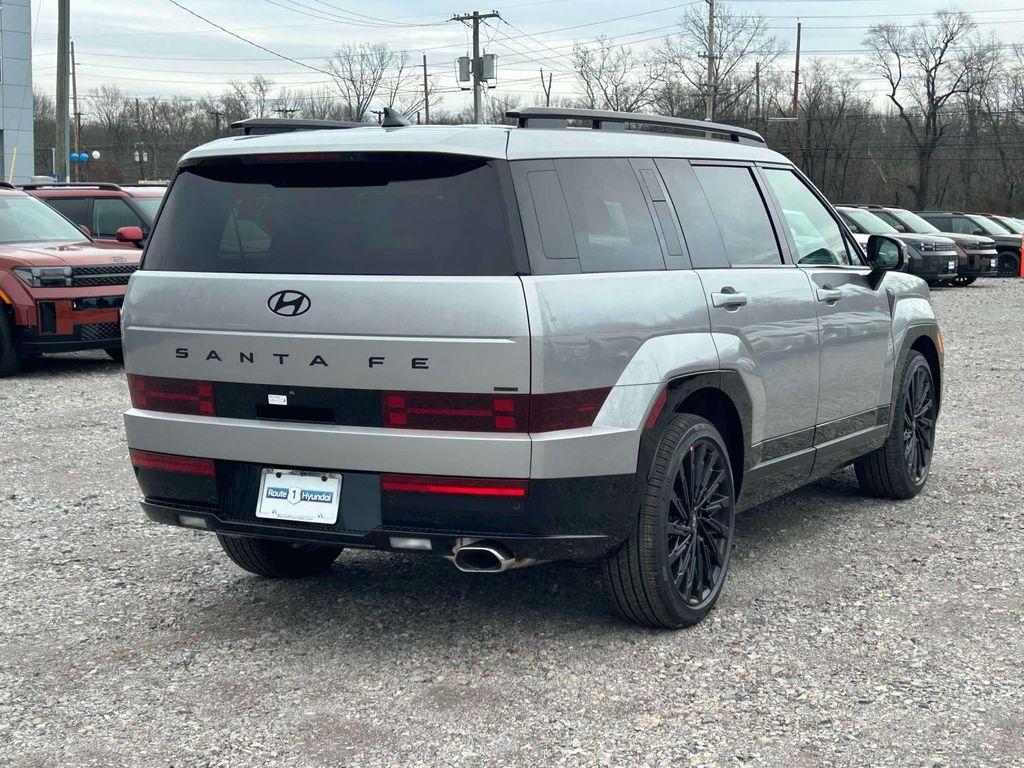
{"x":78,"y":209}
{"x":610,"y":219}
{"x":742,"y":217}
{"x":398,"y":214}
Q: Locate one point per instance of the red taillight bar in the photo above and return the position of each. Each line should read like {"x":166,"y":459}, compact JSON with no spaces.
{"x":475,"y":412}
{"x":452,"y":486}
{"x":187,"y":396}
{"x":166,"y":462}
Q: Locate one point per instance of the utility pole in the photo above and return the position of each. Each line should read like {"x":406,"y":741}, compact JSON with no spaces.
{"x":78,"y":115}
{"x":476,"y":65}
{"x":796,"y":100}
{"x":709,"y":103}
{"x":426,"y":93}
{"x":547,"y":88}
{"x":216,"y":114}
{"x":63,"y":49}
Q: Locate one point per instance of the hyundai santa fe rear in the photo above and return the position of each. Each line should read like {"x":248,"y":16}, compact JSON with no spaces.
{"x":507,"y":346}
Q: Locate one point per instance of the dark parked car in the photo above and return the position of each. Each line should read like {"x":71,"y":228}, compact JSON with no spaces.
{"x":931,"y":257}
{"x":1014,"y":225}
{"x":104,"y":209}
{"x":978,"y":254}
{"x":1008,"y":243}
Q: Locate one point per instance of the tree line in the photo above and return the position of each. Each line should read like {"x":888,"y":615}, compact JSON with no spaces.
{"x":945,"y":130}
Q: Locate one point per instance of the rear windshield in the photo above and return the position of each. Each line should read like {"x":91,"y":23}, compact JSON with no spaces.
{"x":374,"y":215}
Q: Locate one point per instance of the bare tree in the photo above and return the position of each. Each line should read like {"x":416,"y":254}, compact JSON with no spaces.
{"x":248,"y":99}
{"x":614,"y":77}
{"x":740,"y":41}
{"x":320,"y":104}
{"x":358,"y":71}
{"x":926,"y":67}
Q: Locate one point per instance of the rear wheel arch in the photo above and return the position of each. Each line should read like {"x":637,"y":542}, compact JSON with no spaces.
{"x":927,"y":346}
{"x":718,"y":396}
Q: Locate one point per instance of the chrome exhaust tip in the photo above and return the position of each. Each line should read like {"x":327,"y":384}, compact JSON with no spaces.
{"x":482,"y":557}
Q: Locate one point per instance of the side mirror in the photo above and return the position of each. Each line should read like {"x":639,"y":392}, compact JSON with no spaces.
{"x":979,"y":231}
{"x":130,"y":235}
{"x":885,"y":253}
{"x":85,"y":230}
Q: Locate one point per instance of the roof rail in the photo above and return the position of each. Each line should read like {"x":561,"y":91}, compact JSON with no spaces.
{"x":259,"y":126}
{"x":556,"y":117}
{"x":73,"y":184}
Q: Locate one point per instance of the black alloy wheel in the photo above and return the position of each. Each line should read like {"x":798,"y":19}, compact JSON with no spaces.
{"x":671,"y":569}
{"x":1008,"y":265}
{"x":899,"y":468}
{"x":919,"y":411}
{"x":699,"y":522}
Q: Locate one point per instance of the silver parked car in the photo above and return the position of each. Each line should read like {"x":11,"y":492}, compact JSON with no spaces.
{"x":506,"y":345}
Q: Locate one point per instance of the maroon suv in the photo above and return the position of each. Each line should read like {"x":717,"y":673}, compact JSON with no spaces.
{"x":59,"y":292}
{"x":104,"y":209}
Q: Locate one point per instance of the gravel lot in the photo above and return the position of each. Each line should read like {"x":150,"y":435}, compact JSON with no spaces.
{"x":851,"y":632}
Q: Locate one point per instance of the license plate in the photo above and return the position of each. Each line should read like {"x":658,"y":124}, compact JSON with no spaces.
{"x":306,"y":497}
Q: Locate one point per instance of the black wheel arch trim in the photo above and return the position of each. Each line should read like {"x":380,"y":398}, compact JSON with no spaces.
{"x":914,"y":333}
{"x":680,"y":388}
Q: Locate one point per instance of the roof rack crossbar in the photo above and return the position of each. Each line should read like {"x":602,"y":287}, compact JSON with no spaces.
{"x":264,"y":125}
{"x":557,"y":117}
{"x":72,"y":184}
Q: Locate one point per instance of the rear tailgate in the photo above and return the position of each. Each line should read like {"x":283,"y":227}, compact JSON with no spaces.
{"x":309,"y":291}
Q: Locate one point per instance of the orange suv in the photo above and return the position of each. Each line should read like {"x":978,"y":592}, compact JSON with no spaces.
{"x":59,"y":292}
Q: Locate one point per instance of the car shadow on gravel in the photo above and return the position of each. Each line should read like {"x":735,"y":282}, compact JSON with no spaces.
{"x":415,"y":595}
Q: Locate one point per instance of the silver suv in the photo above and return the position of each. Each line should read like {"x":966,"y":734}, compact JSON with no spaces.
{"x":511,"y":345}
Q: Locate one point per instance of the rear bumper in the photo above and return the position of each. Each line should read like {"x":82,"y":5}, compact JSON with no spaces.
{"x":573,"y":519}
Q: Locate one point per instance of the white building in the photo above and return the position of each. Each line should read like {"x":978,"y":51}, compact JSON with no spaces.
{"x":15,"y":90}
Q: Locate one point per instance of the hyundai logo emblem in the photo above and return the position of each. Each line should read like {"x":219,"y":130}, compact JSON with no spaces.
{"x":289,"y":303}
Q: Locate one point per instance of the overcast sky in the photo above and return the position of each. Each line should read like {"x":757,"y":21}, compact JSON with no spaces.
{"x":153,"y":48}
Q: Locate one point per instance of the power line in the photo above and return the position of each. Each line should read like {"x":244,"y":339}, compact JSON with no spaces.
{"x":247,"y":40}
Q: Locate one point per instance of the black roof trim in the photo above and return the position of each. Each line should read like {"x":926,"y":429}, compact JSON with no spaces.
{"x":556,"y":117}
{"x":109,"y":185}
{"x":258,"y":126}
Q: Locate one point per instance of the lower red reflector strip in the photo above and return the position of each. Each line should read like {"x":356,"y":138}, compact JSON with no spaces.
{"x":452,"y":486}
{"x":166,"y":462}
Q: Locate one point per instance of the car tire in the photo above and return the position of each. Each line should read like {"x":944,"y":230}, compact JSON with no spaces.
{"x":900,"y":468}
{"x":116,"y":354}
{"x":10,"y":360}
{"x":670,"y":570}
{"x":1009,"y":264}
{"x":275,"y":559}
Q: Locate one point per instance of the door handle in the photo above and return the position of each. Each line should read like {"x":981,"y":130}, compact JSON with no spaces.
{"x":829,"y":295}
{"x":729,"y":298}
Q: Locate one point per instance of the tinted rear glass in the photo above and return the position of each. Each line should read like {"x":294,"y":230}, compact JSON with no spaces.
{"x":379,"y":215}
